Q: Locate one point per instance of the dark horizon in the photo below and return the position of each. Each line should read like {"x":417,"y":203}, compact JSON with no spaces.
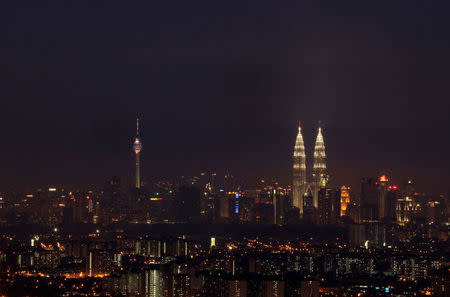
{"x":222,"y":87}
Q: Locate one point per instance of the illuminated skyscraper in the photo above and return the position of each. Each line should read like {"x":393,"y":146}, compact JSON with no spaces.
{"x":383,"y":182}
{"x":345,"y":200}
{"x":137,"y":146}
{"x":299,"y":181}
{"x":308,"y":208}
{"x":319,"y":173}
{"x":329,"y":206}
{"x":369,"y":199}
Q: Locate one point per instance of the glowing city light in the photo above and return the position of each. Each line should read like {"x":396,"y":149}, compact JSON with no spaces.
{"x":383,"y":178}
{"x":299,"y":174}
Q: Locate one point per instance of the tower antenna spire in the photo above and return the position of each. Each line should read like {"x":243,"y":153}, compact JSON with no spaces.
{"x":137,"y":147}
{"x":137,"y":126}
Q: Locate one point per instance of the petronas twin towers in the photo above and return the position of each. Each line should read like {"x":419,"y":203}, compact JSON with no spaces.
{"x":301,"y":185}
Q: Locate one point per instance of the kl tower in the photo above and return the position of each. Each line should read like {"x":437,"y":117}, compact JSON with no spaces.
{"x":137,"y":146}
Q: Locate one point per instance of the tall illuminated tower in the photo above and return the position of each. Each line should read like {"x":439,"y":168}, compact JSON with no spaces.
{"x":137,"y":146}
{"x":319,"y":173}
{"x":299,"y":174}
{"x":345,"y":200}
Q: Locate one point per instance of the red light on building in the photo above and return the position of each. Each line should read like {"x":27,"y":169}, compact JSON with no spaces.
{"x":88,"y":197}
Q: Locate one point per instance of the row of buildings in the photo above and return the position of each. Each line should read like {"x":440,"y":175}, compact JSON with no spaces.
{"x":209,"y":198}
{"x":120,"y":263}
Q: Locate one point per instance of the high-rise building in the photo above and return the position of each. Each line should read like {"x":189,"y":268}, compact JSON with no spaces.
{"x":319,"y":178}
{"x":181,"y":285}
{"x":273,"y":288}
{"x":310,"y":288}
{"x":156,"y":282}
{"x":369,"y":199}
{"x":329,"y":205}
{"x":382,"y":191}
{"x":99,"y":262}
{"x":345,"y":200}
{"x":237,"y":288}
{"x":407,"y":205}
{"x":137,"y":147}
{"x":391,"y":202}
{"x":308,"y":207}
{"x":278,"y":201}
{"x":319,"y":173}
{"x":299,"y":181}
{"x":378,"y":199}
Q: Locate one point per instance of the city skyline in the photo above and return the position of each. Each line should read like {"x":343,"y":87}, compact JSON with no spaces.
{"x":317,"y":162}
{"x":225,"y":148}
{"x":226,"y":96}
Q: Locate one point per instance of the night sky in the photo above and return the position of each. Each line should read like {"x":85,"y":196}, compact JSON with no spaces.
{"x":222,"y":87}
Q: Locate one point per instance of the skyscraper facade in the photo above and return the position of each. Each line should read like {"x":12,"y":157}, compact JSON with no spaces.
{"x":137,"y":147}
{"x":329,"y":206}
{"x":382,"y":191}
{"x":319,"y":178}
{"x":319,"y":173}
{"x":308,"y":207}
{"x":299,"y":180}
{"x":345,"y":200}
{"x":369,"y":199}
